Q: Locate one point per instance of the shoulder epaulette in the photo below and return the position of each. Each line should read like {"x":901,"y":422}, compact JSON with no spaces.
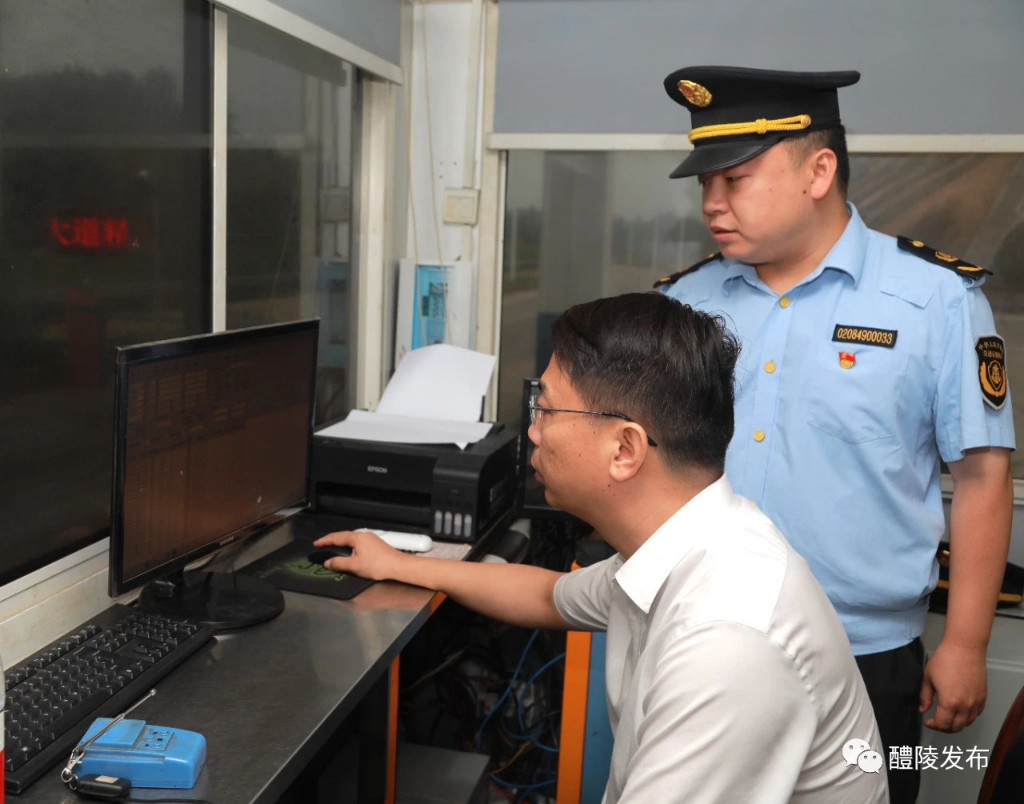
{"x":668,"y":280}
{"x":967,"y":270}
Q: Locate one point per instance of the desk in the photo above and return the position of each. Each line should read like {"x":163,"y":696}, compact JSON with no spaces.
{"x":269,"y":698}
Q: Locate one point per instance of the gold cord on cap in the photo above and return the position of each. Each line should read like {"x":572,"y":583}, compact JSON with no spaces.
{"x":759,"y":126}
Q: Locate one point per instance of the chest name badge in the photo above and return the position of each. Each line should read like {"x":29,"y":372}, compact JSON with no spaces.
{"x":992,"y":369}
{"x":847,"y":333}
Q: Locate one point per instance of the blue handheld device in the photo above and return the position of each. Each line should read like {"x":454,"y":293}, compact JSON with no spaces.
{"x":148,"y":756}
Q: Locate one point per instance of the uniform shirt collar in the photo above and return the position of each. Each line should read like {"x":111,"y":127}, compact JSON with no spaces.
{"x":847,"y":255}
{"x":642,"y":576}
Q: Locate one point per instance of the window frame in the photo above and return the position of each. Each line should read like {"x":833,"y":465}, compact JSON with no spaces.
{"x":372,"y":178}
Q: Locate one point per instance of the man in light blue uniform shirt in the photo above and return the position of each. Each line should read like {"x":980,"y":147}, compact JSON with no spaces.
{"x":865,"y":359}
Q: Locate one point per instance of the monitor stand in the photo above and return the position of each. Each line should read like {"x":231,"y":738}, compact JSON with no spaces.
{"x":224,"y":600}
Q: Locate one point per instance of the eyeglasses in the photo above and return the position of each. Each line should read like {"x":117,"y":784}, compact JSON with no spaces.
{"x":536,"y":410}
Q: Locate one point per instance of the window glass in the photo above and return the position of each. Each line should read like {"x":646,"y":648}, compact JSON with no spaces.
{"x":579,"y":226}
{"x":583,"y":225}
{"x":104,"y":240}
{"x":289,"y":167}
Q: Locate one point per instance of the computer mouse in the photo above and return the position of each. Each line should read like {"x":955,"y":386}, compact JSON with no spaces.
{"x":320,"y":555}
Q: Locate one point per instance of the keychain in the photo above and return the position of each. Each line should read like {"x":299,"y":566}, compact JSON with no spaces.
{"x":94,"y":784}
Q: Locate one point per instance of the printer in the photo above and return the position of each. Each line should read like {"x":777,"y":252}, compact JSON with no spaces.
{"x":450,"y":493}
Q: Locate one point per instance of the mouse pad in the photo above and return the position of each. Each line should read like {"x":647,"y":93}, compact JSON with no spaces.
{"x":288,"y":568}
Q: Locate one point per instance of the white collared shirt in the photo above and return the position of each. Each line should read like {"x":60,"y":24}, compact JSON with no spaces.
{"x":729,"y":676}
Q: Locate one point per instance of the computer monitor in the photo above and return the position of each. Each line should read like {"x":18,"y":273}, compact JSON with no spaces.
{"x":212,"y":438}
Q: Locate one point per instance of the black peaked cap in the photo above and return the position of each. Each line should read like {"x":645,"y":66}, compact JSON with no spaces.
{"x":738,"y":112}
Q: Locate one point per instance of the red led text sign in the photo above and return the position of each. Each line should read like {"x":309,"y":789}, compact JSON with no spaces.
{"x":92,"y":232}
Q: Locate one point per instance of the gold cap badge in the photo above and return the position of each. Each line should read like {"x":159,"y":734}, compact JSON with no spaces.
{"x":695,"y":93}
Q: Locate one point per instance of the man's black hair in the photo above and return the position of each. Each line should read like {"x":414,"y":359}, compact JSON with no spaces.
{"x":832,"y":138}
{"x":659,"y":362}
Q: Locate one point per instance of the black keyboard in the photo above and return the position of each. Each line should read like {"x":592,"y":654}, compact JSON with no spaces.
{"x":97,"y":670}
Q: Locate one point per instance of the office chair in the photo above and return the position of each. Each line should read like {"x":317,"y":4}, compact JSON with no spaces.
{"x":1004,"y":778}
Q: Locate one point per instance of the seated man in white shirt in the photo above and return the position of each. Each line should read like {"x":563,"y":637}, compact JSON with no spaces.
{"x":730,"y":678}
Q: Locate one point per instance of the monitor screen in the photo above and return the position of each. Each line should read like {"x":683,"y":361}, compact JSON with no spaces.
{"x":212,"y":438}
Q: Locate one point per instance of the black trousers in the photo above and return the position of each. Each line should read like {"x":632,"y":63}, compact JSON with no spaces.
{"x":893,"y":679}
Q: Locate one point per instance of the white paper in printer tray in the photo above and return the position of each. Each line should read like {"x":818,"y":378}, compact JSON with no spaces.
{"x":369,"y":426}
{"x":439,"y":381}
{"x":433,"y":397}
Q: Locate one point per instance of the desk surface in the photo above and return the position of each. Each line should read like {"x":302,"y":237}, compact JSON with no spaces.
{"x":267,"y":698}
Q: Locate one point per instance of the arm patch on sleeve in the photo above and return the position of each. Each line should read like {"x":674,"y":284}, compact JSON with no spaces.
{"x":992,"y":369}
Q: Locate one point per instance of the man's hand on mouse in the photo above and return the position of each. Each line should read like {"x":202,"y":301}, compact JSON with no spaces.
{"x":371,"y":557}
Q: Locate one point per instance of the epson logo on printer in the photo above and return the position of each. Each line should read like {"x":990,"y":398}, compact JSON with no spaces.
{"x":380,"y":470}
